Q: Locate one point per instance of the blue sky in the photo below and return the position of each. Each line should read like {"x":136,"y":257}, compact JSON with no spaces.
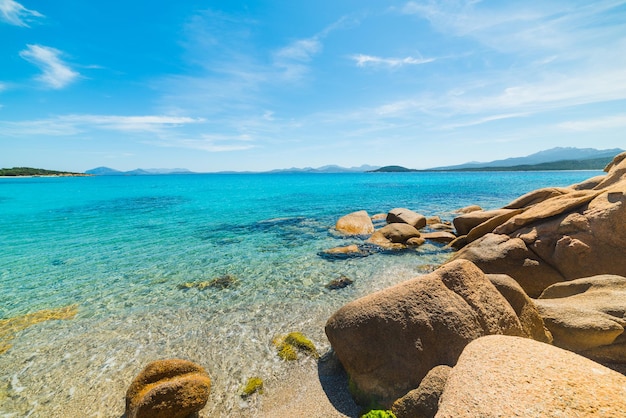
{"x":257,"y":85}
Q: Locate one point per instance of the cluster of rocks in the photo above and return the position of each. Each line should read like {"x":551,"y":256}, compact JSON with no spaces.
{"x":403,"y":228}
{"x":515,"y":324}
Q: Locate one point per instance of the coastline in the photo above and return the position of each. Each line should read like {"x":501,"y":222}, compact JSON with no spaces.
{"x":131,"y":310}
{"x":48,"y":176}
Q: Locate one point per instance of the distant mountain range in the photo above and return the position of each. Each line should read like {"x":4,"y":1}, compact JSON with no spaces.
{"x":559,"y":158}
{"x":327,"y":169}
{"x":553,"y":159}
{"x":106,"y":171}
{"x":548,"y":156}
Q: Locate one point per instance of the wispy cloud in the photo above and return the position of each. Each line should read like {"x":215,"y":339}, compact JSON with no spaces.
{"x":68,"y":125}
{"x":524,"y":27}
{"x":14,"y":13}
{"x":369,"y":60}
{"x":215,"y":143}
{"x":131,"y":123}
{"x":610,"y":122}
{"x":56,"y":74}
{"x":293,"y":59}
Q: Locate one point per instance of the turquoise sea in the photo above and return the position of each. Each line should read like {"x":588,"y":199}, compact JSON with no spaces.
{"x":119,"y":248}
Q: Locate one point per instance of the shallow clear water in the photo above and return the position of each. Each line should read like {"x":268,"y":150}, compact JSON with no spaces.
{"x":119,"y":247}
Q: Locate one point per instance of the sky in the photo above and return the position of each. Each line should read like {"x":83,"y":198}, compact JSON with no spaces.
{"x":266,"y":84}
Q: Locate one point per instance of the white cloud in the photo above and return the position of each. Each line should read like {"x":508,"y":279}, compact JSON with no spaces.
{"x":300,"y":50}
{"x":610,"y":122}
{"x":293,"y":59}
{"x":131,"y":123}
{"x":68,"y":125}
{"x":14,"y":13}
{"x":365,"y":60}
{"x":55,"y":73}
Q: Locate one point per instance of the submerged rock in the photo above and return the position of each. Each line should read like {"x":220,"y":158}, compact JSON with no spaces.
{"x":339,"y":283}
{"x":172,"y":388}
{"x":349,"y":251}
{"x":222,"y":282}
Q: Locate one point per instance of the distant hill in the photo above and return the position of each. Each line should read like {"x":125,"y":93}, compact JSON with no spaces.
{"x":106,"y":171}
{"x":591,"y":164}
{"x":29,"y":171}
{"x":393,"y":169}
{"x":548,"y":156}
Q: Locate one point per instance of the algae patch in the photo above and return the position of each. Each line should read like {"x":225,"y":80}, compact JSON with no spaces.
{"x":11,"y":326}
{"x":253,"y":385}
{"x":379,"y":413}
{"x":289,"y":345}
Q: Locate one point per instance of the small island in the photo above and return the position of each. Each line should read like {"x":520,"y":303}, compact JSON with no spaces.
{"x":36,"y":172}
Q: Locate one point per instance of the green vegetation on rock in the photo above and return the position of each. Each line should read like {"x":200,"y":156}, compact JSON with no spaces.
{"x":378,"y":413}
{"x":253,"y":385}
{"x":289,"y":345}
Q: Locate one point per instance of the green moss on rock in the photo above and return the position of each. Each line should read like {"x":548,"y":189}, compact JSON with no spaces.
{"x":253,"y":385}
{"x":289,"y":345}
{"x":378,"y":413}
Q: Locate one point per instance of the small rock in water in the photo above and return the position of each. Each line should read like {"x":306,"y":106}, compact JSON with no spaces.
{"x":222,"y":282}
{"x":339,"y":283}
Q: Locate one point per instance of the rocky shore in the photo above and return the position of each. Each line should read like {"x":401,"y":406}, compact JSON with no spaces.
{"x":525,"y":320}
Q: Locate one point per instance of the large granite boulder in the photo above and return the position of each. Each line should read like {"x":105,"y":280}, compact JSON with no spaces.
{"x":536,"y":196}
{"x":394,"y":236}
{"x":172,"y":388}
{"x":389,"y":340}
{"x":423,"y":401}
{"x":502,"y":376}
{"x":547,"y":209}
{"x":501,"y":254}
{"x":490,"y":224}
{"x":407,"y":216}
{"x":569,"y":235}
{"x":439,"y":236}
{"x":355,"y":223}
{"x":588,"y":316}
{"x":526,"y":310}
{"x":466,"y":222}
